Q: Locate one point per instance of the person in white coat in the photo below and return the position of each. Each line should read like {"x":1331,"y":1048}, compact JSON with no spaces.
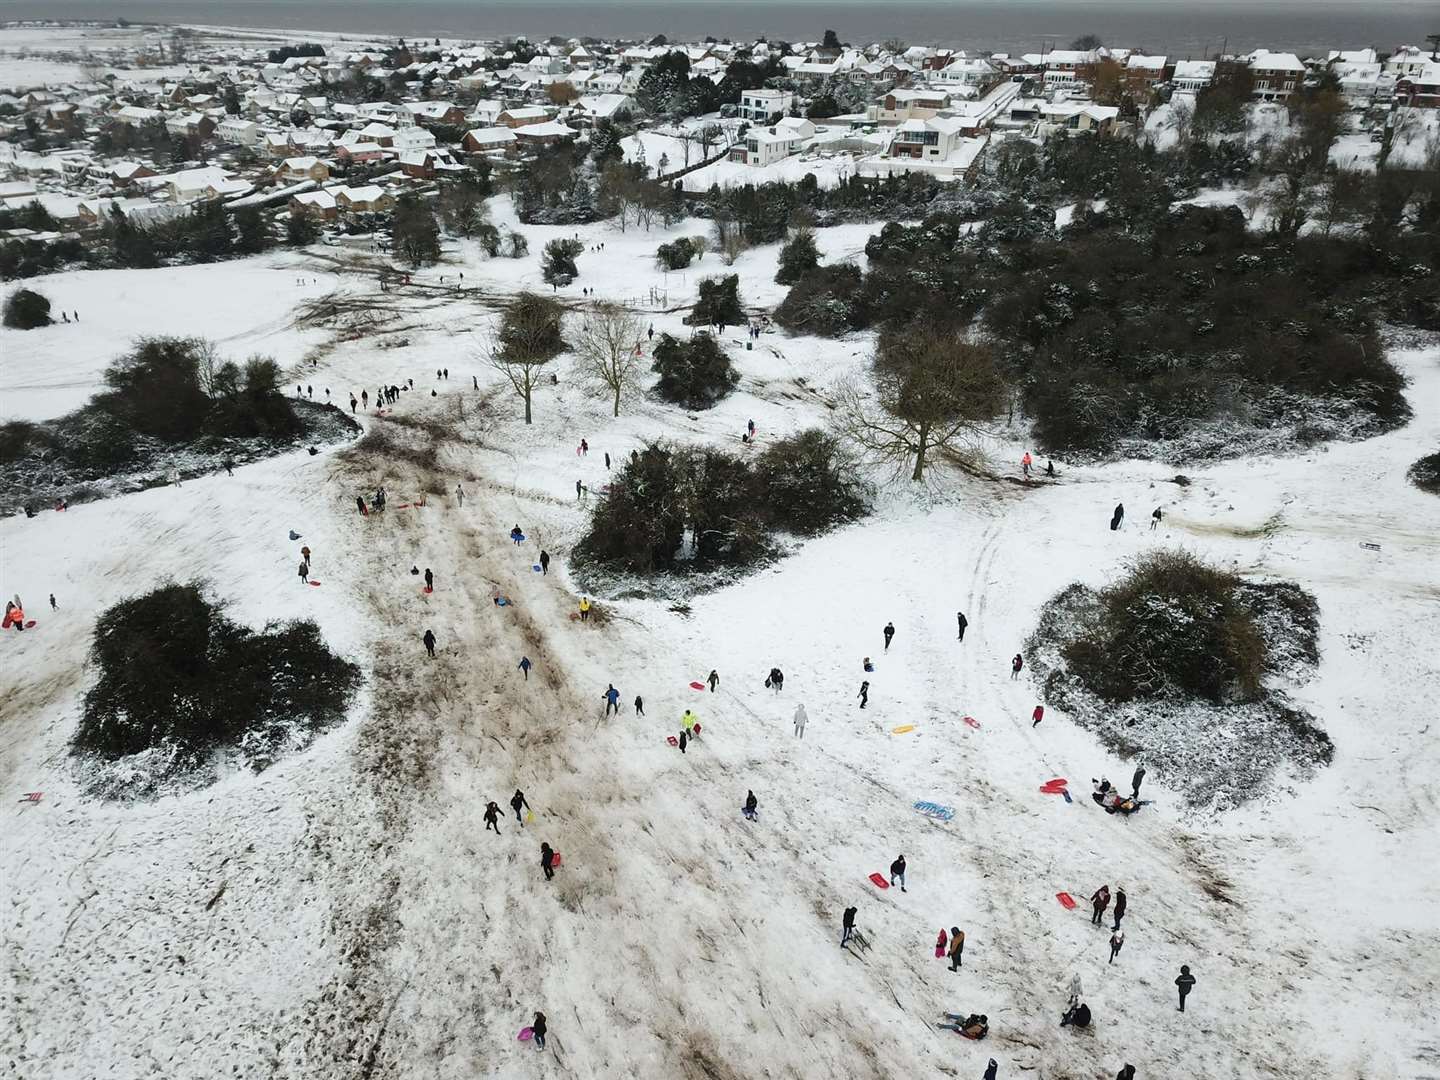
{"x":800,"y":719}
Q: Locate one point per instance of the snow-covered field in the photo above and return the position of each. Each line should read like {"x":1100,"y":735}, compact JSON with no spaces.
{"x":345,"y":913}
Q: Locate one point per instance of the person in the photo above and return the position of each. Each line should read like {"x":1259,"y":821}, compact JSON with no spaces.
{"x":868,"y":666}
{"x":1119,"y":906}
{"x":547,"y":860}
{"x":1049,"y":468}
{"x":544,"y":563}
{"x":1098,"y":903}
{"x":360,"y":504}
{"x":1075,"y":989}
{"x":1127,"y":1073}
{"x":847,"y":925}
{"x":305,"y":552}
{"x":1077,"y":1016}
{"x":941,"y":941}
{"x":429,"y":580}
{"x":1025,"y":464}
{"x":1117,"y":942}
{"x":713,"y":679}
{"x":750,"y":428}
{"x":229,"y":465}
{"x":990,"y":1070}
{"x":365,"y":398}
{"x":964,"y":622}
{"x":516,"y":802}
{"x":460,"y":493}
{"x":492,"y":817}
{"x":584,"y":609}
{"x":650,"y":334}
{"x":688,"y":723}
{"x":775,"y":680}
{"x":429,"y":640}
{"x":897,"y":869}
{"x":1155,"y":516}
{"x":889,"y":633}
{"x":1015,"y":665}
{"x":684,"y":740}
{"x":957,"y":948}
{"x":612,"y":700}
{"x":1117,"y":517}
{"x":1135,"y":781}
{"x":972,"y":1026}
{"x":1185,"y":982}
{"x":537,"y":1030}
{"x":15,"y":614}
{"x":750,"y":804}
{"x":525,"y":666}
{"x":584,"y":447}
{"x":1037,"y":716}
{"x":304,"y":572}
{"x":639,"y":705}
{"x":864,"y":694}
{"x":53,"y":605}
{"x":800,"y":719}
{"x":516,"y":535}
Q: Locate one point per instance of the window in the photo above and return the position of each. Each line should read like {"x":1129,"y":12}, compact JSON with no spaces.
{"x":924,"y":138}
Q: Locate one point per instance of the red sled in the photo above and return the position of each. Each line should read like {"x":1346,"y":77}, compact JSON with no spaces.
{"x":1056,"y":786}
{"x":695,"y":729}
{"x":972,"y":722}
{"x":315,"y":584}
{"x":428,"y":590}
{"x":939,"y":952}
{"x":697,"y":686}
{"x":29,"y":623}
{"x":672,"y":740}
{"x":879,"y":881}
{"x":32,"y":796}
{"x":554,"y":860}
{"x":1066,"y":900}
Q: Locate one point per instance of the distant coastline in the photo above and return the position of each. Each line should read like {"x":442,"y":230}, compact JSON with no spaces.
{"x":1187,"y":29}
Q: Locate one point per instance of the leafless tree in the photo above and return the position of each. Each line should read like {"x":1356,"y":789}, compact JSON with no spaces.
{"x":608,"y":348}
{"x":934,"y":391}
{"x":528,"y":338}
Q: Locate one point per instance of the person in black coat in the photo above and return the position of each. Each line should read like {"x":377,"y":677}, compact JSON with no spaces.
{"x":639,"y":705}
{"x":847,"y":924}
{"x":1117,"y":517}
{"x":963,"y":622}
{"x":750,"y":804}
{"x":429,"y":640}
{"x":864,"y":694}
{"x":537,"y":1029}
{"x":1185,"y":982}
{"x":1127,"y":1073}
{"x":544,"y":563}
{"x":990,"y":1070}
{"x":889,"y":633}
{"x":516,"y":802}
{"x":492,"y":817}
{"x":547,"y":860}
{"x":429,"y":579}
{"x":1119,"y":906}
{"x":1135,"y":782}
{"x":897,"y":869}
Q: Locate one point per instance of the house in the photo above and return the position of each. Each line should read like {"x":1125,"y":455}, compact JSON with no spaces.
{"x":488,"y":140}
{"x":544,"y":134}
{"x":1076,"y":116}
{"x":900,"y":105}
{"x":358,"y":153}
{"x":594,"y":107}
{"x":976,"y":73}
{"x":436,"y":112}
{"x":370,"y":199}
{"x":238,"y":130}
{"x":977,"y":115}
{"x":1407,"y":60}
{"x":121,"y":173}
{"x":1067,"y":69}
{"x":137,"y":211}
{"x":1192,"y":76}
{"x":1277,"y":75}
{"x":304,"y":168}
{"x":1420,"y":90}
{"x":1362,"y":84}
{"x":413,"y":138}
{"x":135,"y":116}
{"x":765,"y":146}
{"x":761,"y":106}
{"x":1142,"y":73}
{"x":522,"y":117}
{"x":424,"y":164}
{"x":278,"y":145}
{"x":188,"y":125}
{"x":484,"y":113}
{"x":316,"y":204}
{"x":936,"y":147}
{"x":62,"y":116}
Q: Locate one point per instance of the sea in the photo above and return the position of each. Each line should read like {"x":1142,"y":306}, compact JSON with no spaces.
{"x":1177,"y":28}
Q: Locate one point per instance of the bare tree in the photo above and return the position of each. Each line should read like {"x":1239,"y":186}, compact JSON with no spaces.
{"x":608,"y":348}
{"x":528,"y":339}
{"x":934,"y":390}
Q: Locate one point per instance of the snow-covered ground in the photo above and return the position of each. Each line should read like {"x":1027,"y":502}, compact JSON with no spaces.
{"x":345,"y":913}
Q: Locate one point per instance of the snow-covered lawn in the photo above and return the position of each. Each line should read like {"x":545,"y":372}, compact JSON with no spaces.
{"x":346,"y":913}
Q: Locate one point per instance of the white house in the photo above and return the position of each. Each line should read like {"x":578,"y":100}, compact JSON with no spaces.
{"x":238,"y":130}
{"x":1192,"y":76}
{"x":760,"y":106}
{"x":936,"y":146}
{"x":765,"y":146}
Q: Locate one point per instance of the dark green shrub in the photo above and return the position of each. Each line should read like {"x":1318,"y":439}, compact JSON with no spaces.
{"x":676,"y":255}
{"x":828,"y":301}
{"x":26,"y":309}
{"x":1425,"y":474}
{"x":557,"y":263}
{"x":695,"y":373}
{"x":176,"y":676}
{"x":806,"y":483}
{"x":798,"y":257}
{"x":719,"y":302}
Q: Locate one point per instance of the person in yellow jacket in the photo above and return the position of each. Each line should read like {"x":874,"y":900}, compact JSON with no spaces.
{"x":688,"y":721}
{"x":584,"y":608}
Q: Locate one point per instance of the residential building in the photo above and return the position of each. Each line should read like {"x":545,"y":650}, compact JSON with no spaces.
{"x":1277,"y":75}
{"x":523,"y":117}
{"x":1192,"y":76}
{"x":1420,"y":90}
{"x":1142,"y":73}
{"x":489,"y":140}
{"x":761,"y":106}
{"x":765,"y":146}
{"x":544,"y":133}
{"x":238,"y":130}
{"x":303,"y":168}
{"x":900,"y":105}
